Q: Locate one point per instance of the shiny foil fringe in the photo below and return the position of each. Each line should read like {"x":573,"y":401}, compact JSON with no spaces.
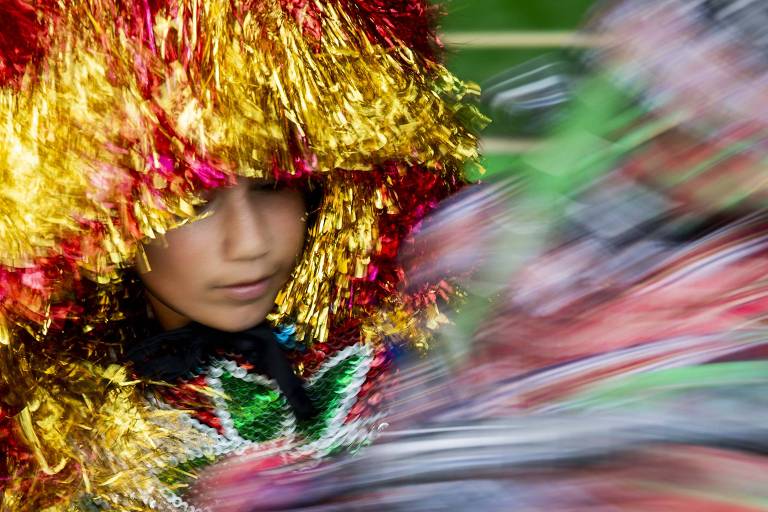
{"x":109,"y":143}
{"x":88,"y":436}
{"x":341,"y":241}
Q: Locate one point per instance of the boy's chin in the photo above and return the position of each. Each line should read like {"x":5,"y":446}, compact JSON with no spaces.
{"x":234,"y":322}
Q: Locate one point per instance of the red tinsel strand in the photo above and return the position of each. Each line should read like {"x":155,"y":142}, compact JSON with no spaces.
{"x":394,"y":22}
{"x":23,"y":36}
{"x":14,"y":451}
{"x":417,"y":192}
{"x":307,"y":15}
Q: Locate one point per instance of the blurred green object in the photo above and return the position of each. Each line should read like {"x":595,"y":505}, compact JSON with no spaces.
{"x":498,"y":15}
{"x":480,"y":64}
{"x":505,"y":19}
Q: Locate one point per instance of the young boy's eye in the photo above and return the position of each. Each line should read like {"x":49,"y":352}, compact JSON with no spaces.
{"x":264,"y":186}
{"x":212,"y":197}
{"x":209,"y":197}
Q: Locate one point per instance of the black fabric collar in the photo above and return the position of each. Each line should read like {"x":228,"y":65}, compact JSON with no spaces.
{"x":179,"y":353}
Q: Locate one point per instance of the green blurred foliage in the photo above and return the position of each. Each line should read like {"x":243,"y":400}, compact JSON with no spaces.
{"x":479,"y":64}
{"x":496,"y":15}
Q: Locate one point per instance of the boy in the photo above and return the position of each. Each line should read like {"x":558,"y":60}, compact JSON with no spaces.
{"x":190,"y":136}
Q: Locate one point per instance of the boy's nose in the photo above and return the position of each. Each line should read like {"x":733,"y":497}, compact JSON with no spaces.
{"x":246,"y":235}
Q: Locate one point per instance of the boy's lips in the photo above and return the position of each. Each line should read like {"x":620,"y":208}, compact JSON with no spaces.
{"x":247,"y":291}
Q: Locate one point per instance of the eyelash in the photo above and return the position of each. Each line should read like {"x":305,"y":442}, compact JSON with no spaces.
{"x":256,"y":187}
{"x":264,"y":187}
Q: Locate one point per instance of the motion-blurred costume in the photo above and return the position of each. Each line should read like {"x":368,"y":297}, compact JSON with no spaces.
{"x":610,"y":352}
{"x":117,"y":117}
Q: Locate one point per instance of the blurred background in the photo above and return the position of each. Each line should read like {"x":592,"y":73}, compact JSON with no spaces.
{"x":486,"y":39}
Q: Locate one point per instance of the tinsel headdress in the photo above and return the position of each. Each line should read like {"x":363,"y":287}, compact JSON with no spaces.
{"x":117,"y":114}
{"x":127,"y":110}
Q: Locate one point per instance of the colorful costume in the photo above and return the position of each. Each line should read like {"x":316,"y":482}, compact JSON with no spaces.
{"x":116,"y":117}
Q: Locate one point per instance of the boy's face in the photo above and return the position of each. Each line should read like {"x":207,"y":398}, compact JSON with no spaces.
{"x":225,"y":270}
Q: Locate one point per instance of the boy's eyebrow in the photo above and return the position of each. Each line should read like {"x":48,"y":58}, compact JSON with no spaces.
{"x":260,"y":179}
{"x":262,"y":182}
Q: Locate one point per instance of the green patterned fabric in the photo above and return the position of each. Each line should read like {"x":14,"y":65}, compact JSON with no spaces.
{"x":258,"y":411}
{"x":252,"y":410}
{"x":329,"y":393}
